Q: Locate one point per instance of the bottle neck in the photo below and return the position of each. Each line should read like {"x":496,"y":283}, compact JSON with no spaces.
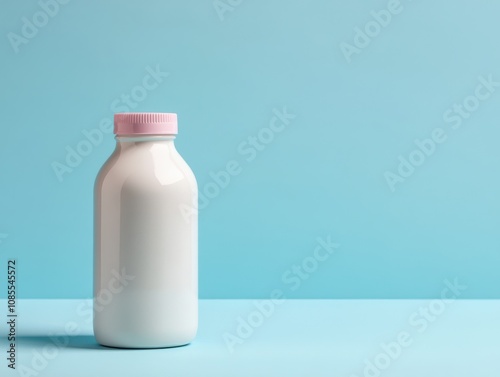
{"x":124,"y":142}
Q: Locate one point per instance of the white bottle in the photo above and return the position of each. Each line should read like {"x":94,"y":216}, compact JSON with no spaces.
{"x":145,"y":238}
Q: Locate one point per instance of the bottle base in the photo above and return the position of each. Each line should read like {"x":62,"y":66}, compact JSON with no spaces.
{"x":141,"y":346}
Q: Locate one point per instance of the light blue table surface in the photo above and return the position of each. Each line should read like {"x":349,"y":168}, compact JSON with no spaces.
{"x":299,"y":338}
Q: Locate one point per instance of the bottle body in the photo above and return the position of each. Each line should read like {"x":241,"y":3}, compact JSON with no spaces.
{"x":145,"y":246}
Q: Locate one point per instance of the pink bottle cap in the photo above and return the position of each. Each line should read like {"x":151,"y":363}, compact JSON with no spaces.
{"x":145,"y":124}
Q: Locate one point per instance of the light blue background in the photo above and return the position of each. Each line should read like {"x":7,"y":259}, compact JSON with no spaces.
{"x":323,"y":175}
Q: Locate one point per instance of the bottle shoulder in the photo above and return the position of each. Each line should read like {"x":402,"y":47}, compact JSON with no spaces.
{"x":146,"y":168}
